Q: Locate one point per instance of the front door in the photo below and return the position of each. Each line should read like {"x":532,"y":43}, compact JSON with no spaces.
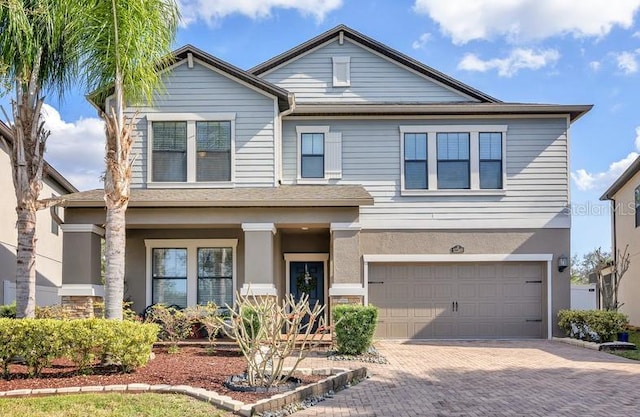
{"x":307,"y":278}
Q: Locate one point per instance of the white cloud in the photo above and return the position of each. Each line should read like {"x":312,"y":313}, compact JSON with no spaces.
{"x":211,"y":11}
{"x":518,"y":59}
{"x":524,"y":20}
{"x":422,"y":41}
{"x":627,"y":62}
{"x":595,"y":65}
{"x":599,"y":180}
{"x":585,"y":180}
{"x":75,"y":149}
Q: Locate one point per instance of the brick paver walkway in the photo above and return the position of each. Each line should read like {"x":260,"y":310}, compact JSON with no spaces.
{"x":503,"y":378}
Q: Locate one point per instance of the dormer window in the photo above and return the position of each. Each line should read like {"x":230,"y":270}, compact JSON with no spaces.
{"x":341,"y":71}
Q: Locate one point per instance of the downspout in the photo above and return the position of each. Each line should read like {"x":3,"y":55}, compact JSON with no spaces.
{"x":292,"y":106}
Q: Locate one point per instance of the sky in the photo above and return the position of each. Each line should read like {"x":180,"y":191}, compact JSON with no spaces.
{"x":537,"y":51}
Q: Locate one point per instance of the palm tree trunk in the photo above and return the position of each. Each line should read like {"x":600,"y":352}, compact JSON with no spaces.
{"x":117,"y":180}
{"x":114,"y":253}
{"x":26,"y":263}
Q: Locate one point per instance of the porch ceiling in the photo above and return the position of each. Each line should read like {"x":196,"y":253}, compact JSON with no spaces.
{"x":282,"y":196}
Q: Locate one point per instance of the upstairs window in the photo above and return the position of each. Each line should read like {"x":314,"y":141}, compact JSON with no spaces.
{"x":453,"y":161}
{"x":319,"y":154}
{"x":188,"y":148}
{"x":415,"y":161}
{"x":213,"y":151}
{"x":490,"y":160}
{"x":312,"y":155}
{"x":341,"y":71}
{"x":169,"y":152}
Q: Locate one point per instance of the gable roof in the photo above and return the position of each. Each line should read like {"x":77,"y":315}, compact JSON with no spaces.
{"x":378,"y":47}
{"x":285,"y":98}
{"x":7,"y":133}
{"x":622,"y":180}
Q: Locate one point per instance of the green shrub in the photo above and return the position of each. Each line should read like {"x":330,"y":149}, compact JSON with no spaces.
{"x":354,"y":328}
{"x":592,"y":325}
{"x":129,"y":343}
{"x":205,"y":318}
{"x":8,"y":311}
{"x":40,"y":341}
{"x":8,"y":348}
{"x":174,"y":324}
{"x":251,"y":321}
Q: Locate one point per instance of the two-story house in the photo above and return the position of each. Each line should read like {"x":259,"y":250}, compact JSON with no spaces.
{"x":624,"y":195}
{"x":48,"y":233}
{"x":349,"y":171}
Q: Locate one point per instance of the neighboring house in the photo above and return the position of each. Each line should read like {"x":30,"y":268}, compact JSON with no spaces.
{"x":624,"y":195}
{"x":350,"y":171}
{"x":48,"y":233}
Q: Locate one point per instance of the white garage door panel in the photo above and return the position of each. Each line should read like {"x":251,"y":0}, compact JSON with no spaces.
{"x":465,"y":300}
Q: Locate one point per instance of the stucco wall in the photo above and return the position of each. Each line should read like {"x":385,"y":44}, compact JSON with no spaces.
{"x":626,"y":233}
{"x":542,"y":241}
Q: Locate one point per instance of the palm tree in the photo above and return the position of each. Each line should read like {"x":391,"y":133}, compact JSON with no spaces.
{"x":126,"y":42}
{"x":38,"y":54}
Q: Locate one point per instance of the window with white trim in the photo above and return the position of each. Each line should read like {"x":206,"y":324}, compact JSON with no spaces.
{"x":415,"y":161}
{"x":189,"y":272}
{"x":490,"y":160}
{"x":191,"y":148}
{"x":452,"y":158}
{"x":319,"y":153}
{"x":341,"y":71}
{"x":453,"y":161}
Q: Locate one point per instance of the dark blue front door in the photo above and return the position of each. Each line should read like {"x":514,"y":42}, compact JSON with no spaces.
{"x":307,"y":277}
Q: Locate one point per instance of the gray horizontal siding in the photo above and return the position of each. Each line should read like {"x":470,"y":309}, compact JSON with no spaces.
{"x":373,"y":79}
{"x":536,"y":159}
{"x":201,"y":90}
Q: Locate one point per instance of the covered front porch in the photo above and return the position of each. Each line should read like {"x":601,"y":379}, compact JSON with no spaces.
{"x":196,"y":251}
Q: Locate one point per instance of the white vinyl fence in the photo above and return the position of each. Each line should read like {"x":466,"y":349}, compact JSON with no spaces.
{"x":584,"y":297}
{"x":45,"y":296}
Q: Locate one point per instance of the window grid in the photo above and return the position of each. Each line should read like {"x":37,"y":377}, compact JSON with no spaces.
{"x":215,"y":276}
{"x":213,"y":151}
{"x":169,"y":151}
{"x":312,"y":155}
{"x":453,"y":160}
{"x":416,"y":166}
{"x":490,"y":151}
{"x":169,"y":276}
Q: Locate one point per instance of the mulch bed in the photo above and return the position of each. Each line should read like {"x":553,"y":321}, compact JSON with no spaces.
{"x":192,"y":366}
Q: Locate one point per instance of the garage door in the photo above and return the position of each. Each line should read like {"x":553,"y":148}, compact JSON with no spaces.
{"x":458,"y":301}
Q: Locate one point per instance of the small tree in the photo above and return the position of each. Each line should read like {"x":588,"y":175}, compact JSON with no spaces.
{"x":267,"y":333}
{"x":609,"y":273}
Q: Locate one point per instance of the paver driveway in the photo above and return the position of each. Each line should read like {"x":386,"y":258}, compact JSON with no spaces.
{"x":490,"y":378}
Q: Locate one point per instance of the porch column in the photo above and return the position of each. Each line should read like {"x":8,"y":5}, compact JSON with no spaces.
{"x":259,"y":259}
{"x":346,"y":265}
{"x":82,"y":283}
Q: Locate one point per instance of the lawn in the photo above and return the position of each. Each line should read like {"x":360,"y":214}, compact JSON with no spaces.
{"x":634,"y":337}
{"x":109,"y":405}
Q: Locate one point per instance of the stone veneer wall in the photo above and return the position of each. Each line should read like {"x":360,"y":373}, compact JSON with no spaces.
{"x":81,"y":306}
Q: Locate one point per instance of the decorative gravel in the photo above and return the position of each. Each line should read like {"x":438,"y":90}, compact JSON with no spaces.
{"x":370,"y":356}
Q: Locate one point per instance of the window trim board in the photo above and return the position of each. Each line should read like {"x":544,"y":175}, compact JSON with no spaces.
{"x":191,"y":119}
{"x":192,"y":246}
{"x":432,"y":158}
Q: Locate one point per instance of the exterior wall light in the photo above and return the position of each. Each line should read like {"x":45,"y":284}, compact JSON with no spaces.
{"x":563,"y":263}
